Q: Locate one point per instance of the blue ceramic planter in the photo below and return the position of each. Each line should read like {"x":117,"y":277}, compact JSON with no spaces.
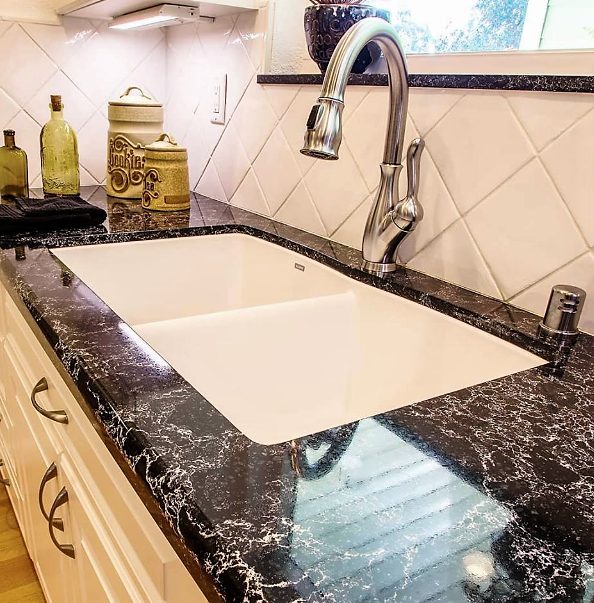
{"x":325,"y":24}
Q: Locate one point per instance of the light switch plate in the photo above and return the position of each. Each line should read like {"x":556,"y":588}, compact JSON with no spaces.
{"x":219,"y":99}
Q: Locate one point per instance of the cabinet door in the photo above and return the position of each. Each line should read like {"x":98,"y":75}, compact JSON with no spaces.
{"x":102,"y":576}
{"x":53,"y":568}
{"x":2,"y":352}
{"x":14,"y":435}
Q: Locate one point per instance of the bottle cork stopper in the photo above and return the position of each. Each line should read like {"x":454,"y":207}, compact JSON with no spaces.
{"x":9,"y":132}
{"x":56,"y":102}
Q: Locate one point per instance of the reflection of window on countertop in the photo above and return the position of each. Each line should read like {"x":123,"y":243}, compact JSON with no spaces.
{"x":430,"y":26}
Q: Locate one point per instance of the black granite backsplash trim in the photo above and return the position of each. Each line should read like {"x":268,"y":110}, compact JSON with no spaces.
{"x":515,"y":454}
{"x":533,"y":83}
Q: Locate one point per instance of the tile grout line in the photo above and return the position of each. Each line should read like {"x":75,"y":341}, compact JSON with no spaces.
{"x":353,"y":212}
{"x":521,"y":166}
{"x":299,"y":170}
{"x":301,"y":177}
{"x":536,"y":282}
{"x":216,"y":173}
{"x":354,"y":107}
{"x":498,"y":186}
{"x":303,"y":172}
{"x":458,"y":214}
{"x":196,"y":33}
{"x":565,"y":205}
{"x":359,"y":170}
{"x":269,"y":215}
{"x":563,"y":132}
{"x":462,"y":96}
{"x":279,"y":117}
{"x":544,"y":167}
{"x":246,"y":173}
{"x":498,"y":285}
{"x":57,"y":68}
{"x":313,"y":204}
{"x":14,"y":102}
{"x":61,"y":70}
{"x":277,"y":121}
{"x":480,"y":253}
{"x":20,"y":26}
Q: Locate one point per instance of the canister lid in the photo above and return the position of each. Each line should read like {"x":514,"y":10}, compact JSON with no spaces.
{"x":166,"y":143}
{"x":135,"y":97}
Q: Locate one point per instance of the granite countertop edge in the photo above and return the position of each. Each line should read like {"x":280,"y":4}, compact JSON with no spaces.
{"x":530,"y":83}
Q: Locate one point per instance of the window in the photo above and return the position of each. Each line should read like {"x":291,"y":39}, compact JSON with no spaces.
{"x":442,"y":26}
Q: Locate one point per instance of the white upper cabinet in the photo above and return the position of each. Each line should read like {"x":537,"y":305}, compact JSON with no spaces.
{"x":49,"y":11}
{"x":32,"y":11}
{"x":106,"y":9}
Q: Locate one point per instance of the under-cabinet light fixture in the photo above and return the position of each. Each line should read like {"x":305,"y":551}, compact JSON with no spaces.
{"x":158,"y":16}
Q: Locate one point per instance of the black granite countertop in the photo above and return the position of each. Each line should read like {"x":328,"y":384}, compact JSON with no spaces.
{"x":485,"y":494}
{"x":469,"y":81}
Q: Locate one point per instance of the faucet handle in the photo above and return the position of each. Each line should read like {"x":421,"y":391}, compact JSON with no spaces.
{"x":409,"y":212}
{"x":413,"y":166}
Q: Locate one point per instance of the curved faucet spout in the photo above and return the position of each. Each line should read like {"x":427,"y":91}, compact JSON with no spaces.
{"x":385,"y":230}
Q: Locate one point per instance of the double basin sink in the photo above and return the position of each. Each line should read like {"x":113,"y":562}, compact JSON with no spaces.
{"x":282,"y":345}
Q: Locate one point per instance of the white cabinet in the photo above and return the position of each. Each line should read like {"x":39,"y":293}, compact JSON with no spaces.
{"x":89,"y":535}
{"x":30,"y":11}
{"x":106,"y":9}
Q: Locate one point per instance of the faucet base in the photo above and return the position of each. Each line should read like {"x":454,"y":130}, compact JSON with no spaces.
{"x":378,"y":267}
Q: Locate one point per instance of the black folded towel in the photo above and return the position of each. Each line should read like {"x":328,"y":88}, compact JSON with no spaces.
{"x":49,"y":214}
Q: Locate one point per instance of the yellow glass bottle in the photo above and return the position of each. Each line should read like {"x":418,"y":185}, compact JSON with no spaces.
{"x":60,"y":171}
{"x":13,"y":169}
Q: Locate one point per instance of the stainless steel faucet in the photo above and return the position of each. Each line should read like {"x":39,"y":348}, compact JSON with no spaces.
{"x":390,"y":220}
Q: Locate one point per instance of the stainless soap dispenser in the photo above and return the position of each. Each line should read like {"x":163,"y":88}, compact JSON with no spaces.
{"x":563,"y":312}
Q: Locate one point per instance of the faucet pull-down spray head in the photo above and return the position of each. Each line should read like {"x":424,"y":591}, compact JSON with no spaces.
{"x":324,"y":129}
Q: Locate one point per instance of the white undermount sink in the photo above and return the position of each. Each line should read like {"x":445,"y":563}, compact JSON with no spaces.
{"x":281,"y":345}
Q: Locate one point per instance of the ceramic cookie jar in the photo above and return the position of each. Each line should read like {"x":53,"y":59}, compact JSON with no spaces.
{"x":135,"y":120}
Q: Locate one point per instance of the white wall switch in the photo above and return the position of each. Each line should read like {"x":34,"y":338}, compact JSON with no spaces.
{"x":219,"y":99}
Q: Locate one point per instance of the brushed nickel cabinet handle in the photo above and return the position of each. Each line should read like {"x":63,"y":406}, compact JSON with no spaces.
{"x":61,"y":499}
{"x":4,"y":480}
{"x":51,"y":473}
{"x":59,"y":416}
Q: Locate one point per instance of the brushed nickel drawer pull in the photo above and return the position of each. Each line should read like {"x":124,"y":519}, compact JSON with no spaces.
{"x":4,"y":480}
{"x":61,"y":499}
{"x":59,"y":416}
{"x":51,"y":473}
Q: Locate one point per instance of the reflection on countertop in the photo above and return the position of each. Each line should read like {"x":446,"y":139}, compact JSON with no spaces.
{"x":129,"y":216}
{"x":388,"y":522}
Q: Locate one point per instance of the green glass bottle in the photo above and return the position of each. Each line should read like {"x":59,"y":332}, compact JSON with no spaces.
{"x":13,"y":169}
{"x":60,"y":172}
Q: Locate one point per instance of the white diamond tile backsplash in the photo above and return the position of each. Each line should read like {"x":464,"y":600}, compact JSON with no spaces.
{"x":87,"y":64}
{"x":507,"y":180}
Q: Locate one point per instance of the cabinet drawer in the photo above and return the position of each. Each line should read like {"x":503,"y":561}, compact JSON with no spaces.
{"x":22,"y":382}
